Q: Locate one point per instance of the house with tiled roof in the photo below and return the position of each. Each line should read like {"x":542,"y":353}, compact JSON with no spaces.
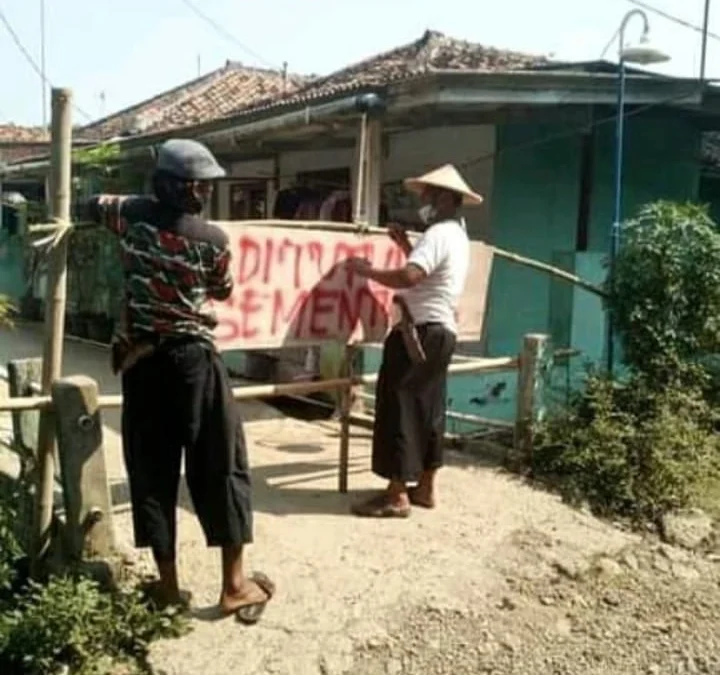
{"x":208,"y":98}
{"x":535,"y":136}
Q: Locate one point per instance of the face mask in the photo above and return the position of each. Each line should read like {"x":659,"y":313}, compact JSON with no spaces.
{"x":426,"y":213}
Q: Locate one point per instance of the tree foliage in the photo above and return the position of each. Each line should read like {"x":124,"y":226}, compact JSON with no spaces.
{"x":664,"y":289}
{"x":643,"y":444}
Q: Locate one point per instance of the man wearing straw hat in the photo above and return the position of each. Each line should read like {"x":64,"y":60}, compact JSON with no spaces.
{"x":176,"y":391}
{"x":411,"y":390}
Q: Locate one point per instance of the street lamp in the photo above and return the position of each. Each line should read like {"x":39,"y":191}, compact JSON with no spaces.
{"x":644,"y":54}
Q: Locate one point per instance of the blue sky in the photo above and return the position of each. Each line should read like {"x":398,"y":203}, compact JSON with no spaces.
{"x":131,"y":50}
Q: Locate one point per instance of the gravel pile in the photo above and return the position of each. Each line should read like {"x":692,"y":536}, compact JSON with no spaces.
{"x":652,"y":610}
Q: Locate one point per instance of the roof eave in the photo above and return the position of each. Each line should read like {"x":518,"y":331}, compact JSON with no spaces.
{"x":531,"y":87}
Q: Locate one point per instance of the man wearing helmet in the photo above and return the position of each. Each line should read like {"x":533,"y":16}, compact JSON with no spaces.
{"x":176,"y":390}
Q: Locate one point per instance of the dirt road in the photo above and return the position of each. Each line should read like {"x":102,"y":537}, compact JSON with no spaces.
{"x":499,"y":579}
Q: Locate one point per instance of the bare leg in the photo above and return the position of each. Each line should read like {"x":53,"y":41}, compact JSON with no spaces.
{"x":166,"y":590}
{"x":397,"y":494}
{"x":424,"y":493}
{"x":237,"y":589}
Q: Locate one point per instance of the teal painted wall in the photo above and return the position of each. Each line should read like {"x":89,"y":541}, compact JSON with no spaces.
{"x":710,"y":193}
{"x":534,"y":213}
{"x":661,"y":161}
{"x":12,"y":281}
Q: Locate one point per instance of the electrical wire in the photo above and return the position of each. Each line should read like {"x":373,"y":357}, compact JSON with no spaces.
{"x":28,"y":57}
{"x":226,"y":34}
{"x":674,"y":19}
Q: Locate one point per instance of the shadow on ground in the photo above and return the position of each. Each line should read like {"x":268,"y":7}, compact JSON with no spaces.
{"x":290,"y":488}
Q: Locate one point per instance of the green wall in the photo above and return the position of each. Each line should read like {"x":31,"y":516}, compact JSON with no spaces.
{"x":661,"y":161}
{"x":534,"y":213}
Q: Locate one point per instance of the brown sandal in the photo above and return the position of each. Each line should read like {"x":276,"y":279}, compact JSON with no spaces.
{"x":380,"y":507}
{"x":250,"y":614}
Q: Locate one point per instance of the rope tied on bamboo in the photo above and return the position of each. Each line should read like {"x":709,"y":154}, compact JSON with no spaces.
{"x":60,"y":229}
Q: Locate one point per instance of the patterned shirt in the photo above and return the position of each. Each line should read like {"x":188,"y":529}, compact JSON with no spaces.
{"x":173,"y":263}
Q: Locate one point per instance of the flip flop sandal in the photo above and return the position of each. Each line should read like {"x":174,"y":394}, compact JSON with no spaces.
{"x":380,"y":508}
{"x":250,"y":614}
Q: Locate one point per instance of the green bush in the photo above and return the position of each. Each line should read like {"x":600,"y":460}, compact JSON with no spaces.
{"x":7,"y":310}
{"x":629,"y":450}
{"x":10,"y":548}
{"x":664,"y":290}
{"x":72,"y":622}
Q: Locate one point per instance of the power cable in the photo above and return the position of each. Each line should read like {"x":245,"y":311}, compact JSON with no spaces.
{"x":226,"y":34}
{"x":28,"y":57}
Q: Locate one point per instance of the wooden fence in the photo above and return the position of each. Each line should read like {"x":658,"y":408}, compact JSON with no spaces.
{"x":75,"y":404}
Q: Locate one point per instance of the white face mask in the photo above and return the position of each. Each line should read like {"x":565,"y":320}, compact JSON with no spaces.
{"x":426,"y":213}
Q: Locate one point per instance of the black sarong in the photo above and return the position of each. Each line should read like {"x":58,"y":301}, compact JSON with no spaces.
{"x":178,"y":398}
{"x":410,"y":405}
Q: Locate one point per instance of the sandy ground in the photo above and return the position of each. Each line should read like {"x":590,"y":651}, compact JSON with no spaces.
{"x":350,"y":587}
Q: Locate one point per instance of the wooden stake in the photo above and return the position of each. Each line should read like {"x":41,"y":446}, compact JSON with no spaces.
{"x":533,"y":360}
{"x":60,"y":183}
{"x":346,"y":399}
{"x":88,"y":506}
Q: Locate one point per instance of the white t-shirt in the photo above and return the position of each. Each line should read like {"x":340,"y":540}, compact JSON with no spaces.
{"x":443,"y":252}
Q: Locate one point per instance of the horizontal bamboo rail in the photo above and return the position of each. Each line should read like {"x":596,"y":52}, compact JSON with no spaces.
{"x":248,"y":392}
{"x":360,"y":228}
{"x":461,"y":417}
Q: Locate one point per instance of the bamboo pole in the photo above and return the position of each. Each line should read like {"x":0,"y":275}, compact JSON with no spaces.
{"x":361,"y":228}
{"x":346,"y":398}
{"x":551,"y":270}
{"x":60,"y":181}
{"x":245,"y":393}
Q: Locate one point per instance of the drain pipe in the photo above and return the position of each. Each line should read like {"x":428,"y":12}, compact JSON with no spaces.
{"x":370,"y":103}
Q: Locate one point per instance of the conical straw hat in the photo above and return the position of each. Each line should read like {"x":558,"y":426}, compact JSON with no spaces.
{"x":448,"y":178}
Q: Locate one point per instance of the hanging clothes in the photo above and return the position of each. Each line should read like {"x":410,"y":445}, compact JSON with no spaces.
{"x":289,"y":200}
{"x":337,"y":207}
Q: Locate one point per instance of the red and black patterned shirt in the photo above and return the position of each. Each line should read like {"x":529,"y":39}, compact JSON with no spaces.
{"x":173,"y":263}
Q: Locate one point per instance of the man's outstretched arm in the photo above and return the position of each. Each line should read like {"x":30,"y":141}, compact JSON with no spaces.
{"x":111,"y":211}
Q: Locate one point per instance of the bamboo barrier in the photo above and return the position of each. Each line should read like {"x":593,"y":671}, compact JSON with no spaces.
{"x":248,"y":392}
{"x":361,"y":228}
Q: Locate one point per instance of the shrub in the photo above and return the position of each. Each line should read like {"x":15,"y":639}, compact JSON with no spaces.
{"x":10,"y":548}
{"x":629,"y":450}
{"x":72,"y":622}
{"x":7,"y":310}
{"x":664,"y":290}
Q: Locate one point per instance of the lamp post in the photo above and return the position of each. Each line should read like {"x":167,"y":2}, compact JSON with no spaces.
{"x":643,"y":54}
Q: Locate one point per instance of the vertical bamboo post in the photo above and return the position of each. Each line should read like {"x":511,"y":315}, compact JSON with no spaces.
{"x":346,"y":400}
{"x":529,"y":392}
{"x":60,"y":185}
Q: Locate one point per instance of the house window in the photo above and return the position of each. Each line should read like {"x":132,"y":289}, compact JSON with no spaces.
{"x":248,"y":200}
{"x":325,"y":180}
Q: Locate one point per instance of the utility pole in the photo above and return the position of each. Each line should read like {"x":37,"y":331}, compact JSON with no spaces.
{"x":43,"y":75}
{"x":703,"y":47}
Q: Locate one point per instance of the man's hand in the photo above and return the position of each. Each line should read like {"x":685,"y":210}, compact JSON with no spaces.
{"x":360,"y":266}
{"x":398,"y":234}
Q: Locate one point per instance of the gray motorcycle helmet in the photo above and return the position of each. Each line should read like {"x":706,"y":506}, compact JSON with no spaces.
{"x":188,"y":160}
